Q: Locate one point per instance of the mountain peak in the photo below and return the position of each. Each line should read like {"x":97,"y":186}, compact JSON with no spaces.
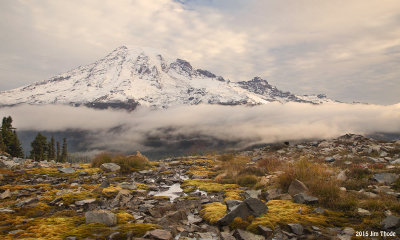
{"x":132,"y":75}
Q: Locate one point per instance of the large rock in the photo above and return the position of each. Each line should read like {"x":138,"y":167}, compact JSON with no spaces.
{"x":296,"y":228}
{"x":6,"y":194}
{"x":249,"y":207}
{"x":304,"y":198}
{"x":101,"y":216}
{"x":297,"y":187}
{"x":158,"y":234}
{"x":386,"y":178}
{"x":8,"y":164}
{"x":240,"y":234}
{"x":390,"y":222}
{"x":110,"y":167}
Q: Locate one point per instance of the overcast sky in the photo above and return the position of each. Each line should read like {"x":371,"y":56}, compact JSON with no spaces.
{"x":348,"y":49}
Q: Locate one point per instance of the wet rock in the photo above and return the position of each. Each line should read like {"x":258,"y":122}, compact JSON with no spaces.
{"x":158,"y":234}
{"x":297,"y":187}
{"x":66,"y":170}
{"x":245,"y":235}
{"x":387,"y":178}
{"x":101,"y":216}
{"x":390,"y":222}
{"x":249,"y":207}
{"x":6,"y":194}
{"x":110,"y":167}
{"x":304,"y":198}
{"x":296,"y":228}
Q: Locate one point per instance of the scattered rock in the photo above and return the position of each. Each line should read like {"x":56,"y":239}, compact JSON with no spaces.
{"x":249,"y":207}
{"x":252,"y":193}
{"x":387,"y":178}
{"x":363,"y":212}
{"x":110,"y":167}
{"x":240,"y":234}
{"x":390,"y":222}
{"x":297,"y":187}
{"x":86,"y":201}
{"x":265,"y":231}
{"x":158,"y":234}
{"x":296,"y":228}
{"x":330,"y":159}
{"x":101,"y":216}
{"x":66,"y":170}
{"x":129,"y":186}
{"x":304,"y":198}
{"x":6,"y":194}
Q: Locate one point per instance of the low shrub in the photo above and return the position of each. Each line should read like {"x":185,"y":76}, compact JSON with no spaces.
{"x":252,"y":171}
{"x":127,"y":163}
{"x":101,"y":158}
{"x":247,"y":180}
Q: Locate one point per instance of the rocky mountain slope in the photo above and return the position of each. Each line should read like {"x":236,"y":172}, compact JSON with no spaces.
{"x":341,"y":188}
{"x":133,"y":76}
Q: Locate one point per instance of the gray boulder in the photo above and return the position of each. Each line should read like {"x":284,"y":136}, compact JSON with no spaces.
{"x":249,"y":207}
{"x":386,"y":178}
{"x":252,"y":193}
{"x":390,"y":222}
{"x":296,"y":228}
{"x":297,"y":187}
{"x":101,"y":216}
{"x":110,"y":167}
{"x":240,"y":234}
{"x":158,"y":234}
{"x":330,"y":159}
{"x":304,"y":198}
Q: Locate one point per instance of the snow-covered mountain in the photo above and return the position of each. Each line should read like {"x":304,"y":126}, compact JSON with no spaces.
{"x":133,"y":76}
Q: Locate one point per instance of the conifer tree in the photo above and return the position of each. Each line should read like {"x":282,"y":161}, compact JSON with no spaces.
{"x":58,"y":152}
{"x":64,"y":153}
{"x":16,"y":148}
{"x":52,"y":149}
{"x":39,"y":148}
{"x":10,"y":142}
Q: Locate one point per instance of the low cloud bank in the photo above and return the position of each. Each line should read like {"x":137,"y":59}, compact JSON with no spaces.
{"x":123,"y":131}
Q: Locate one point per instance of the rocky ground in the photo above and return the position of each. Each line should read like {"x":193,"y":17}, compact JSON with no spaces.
{"x":344,"y":188}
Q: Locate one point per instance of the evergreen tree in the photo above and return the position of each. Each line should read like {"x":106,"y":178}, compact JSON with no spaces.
{"x":58,"y":152}
{"x":39,"y":148}
{"x":2,"y":146}
{"x":52,"y":149}
{"x":64,"y":153}
{"x":16,"y":148}
{"x":9,"y":139}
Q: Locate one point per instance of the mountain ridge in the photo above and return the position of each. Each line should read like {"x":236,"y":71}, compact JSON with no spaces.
{"x":132,"y":76}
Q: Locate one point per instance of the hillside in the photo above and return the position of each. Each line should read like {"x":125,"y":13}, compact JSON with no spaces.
{"x":330,"y":189}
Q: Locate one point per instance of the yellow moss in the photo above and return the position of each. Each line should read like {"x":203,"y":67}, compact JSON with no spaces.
{"x":142,"y":186}
{"x":209,"y":186}
{"x":19,"y":187}
{"x":212,"y":212}
{"x":286,"y":211}
{"x":111,"y":191}
{"x":161,"y":197}
{"x":90,"y":231}
{"x":154,"y":163}
{"x":89,"y":170}
{"x":43,"y":171}
{"x":200,"y":161}
{"x":238,"y":222}
{"x":71,"y":198}
{"x":233,"y":195}
{"x":124,"y":217}
{"x":139,"y":229}
{"x":201,"y":171}
{"x":5,"y":171}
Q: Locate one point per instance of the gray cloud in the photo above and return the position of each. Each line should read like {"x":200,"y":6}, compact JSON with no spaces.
{"x":347,"y":49}
{"x":245,"y":125}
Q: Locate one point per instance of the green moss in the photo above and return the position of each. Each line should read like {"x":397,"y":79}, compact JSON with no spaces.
{"x":212,"y":212}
